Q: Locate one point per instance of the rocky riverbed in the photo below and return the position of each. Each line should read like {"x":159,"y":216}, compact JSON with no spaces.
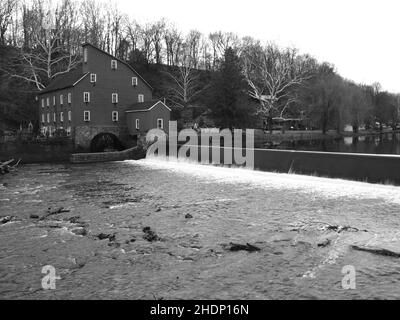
{"x":158,"y":230}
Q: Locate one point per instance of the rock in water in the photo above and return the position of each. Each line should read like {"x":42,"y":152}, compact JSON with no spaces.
{"x":103,"y":236}
{"x":150,"y":235}
{"x":188,"y":216}
{"x":6,"y":219}
{"x":79,"y":231}
{"x":242,"y":247}
{"x":324,"y":243}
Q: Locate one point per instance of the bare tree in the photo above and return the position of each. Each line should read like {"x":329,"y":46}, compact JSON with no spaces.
{"x":193,"y":47}
{"x":93,"y":20}
{"x":173,"y":42}
{"x":271,"y":74}
{"x":147,"y":42}
{"x":133,"y":31}
{"x":158,"y":34}
{"x":186,"y":84}
{"x":7,"y":7}
{"x":51,"y":55}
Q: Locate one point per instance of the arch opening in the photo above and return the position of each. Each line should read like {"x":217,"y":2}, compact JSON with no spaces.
{"x":105,"y":142}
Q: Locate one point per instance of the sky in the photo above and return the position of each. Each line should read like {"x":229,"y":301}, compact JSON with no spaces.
{"x":360,"y":37}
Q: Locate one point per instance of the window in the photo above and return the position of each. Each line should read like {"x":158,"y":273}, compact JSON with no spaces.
{"x":48,"y":118}
{"x":114,"y":64}
{"x":69,"y":98}
{"x":140,"y":98}
{"x":42,"y":117}
{"x":86,"y":115}
{"x":42,"y":103}
{"x":54,"y":100}
{"x":85,"y":55}
{"x":86,"y":97}
{"x":93,"y":77}
{"x":62,"y":116}
{"x":114,"y":98}
{"x":137,"y":124}
{"x":54,"y":117}
{"x":114,"y":116}
{"x":160,"y":123}
{"x":61,"y":99}
{"x":47,"y":101}
{"x":69,"y":116}
{"x":134,"y":81}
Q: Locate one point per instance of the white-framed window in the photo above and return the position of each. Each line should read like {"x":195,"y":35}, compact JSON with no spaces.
{"x":114,"y":116}
{"x":69,"y":115}
{"x":42,"y":117}
{"x":54,"y":117}
{"x":86,"y":97}
{"x":47,"y":101}
{"x":137,"y":124}
{"x":160,"y":123}
{"x":61,"y":99}
{"x":114,"y":64}
{"x":42,"y":103}
{"x":93,"y":77}
{"x":134,"y":81}
{"x":85,"y":55}
{"x":141,"y":98}
{"x":86,"y":115}
{"x":48,"y":118}
{"x":62,"y":116}
{"x":69,"y":97}
{"x":114,"y":98}
{"x":54,"y":100}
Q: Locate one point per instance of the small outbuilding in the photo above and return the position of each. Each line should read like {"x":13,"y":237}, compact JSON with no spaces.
{"x":144,"y":116}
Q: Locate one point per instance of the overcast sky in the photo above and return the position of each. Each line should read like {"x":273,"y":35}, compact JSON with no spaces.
{"x":360,"y":37}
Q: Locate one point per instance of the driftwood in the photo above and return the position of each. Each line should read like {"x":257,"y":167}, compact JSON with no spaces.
{"x":377,"y":250}
{"x":51,"y":212}
{"x":6,"y":167}
{"x":242,"y":247}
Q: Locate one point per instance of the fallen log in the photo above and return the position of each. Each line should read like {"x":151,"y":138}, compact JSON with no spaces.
{"x":242,"y":247}
{"x":6,"y":167}
{"x":377,"y":251}
{"x":53,"y":212}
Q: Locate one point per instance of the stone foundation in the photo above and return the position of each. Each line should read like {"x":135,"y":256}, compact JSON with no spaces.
{"x":129,"y":154}
{"x":83,"y":135}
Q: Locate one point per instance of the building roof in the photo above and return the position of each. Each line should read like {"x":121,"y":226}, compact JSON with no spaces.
{"x":145,"y":106}
{"x":123,"y":62}
{"x":65,"y":80}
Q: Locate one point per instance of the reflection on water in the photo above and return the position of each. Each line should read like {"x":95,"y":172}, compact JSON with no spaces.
{"x":284,"y":215}
{"x":388,"y":143}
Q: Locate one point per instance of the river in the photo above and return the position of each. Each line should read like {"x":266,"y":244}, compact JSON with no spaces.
{"x":284,"y":215}
{"x":386,"y":143}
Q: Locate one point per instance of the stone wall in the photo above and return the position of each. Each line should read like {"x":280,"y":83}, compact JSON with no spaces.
{"x":83,"y":135}
{"x":134,"y":153}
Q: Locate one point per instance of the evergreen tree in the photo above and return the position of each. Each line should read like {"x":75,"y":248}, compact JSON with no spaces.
{"x":227,"y":97}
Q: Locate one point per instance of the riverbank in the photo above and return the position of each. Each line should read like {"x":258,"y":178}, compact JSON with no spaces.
{"x":37,"y":152}
{"x":266,"y":139}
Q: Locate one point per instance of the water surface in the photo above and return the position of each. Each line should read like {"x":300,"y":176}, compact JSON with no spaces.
{"x":386,"y":143}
